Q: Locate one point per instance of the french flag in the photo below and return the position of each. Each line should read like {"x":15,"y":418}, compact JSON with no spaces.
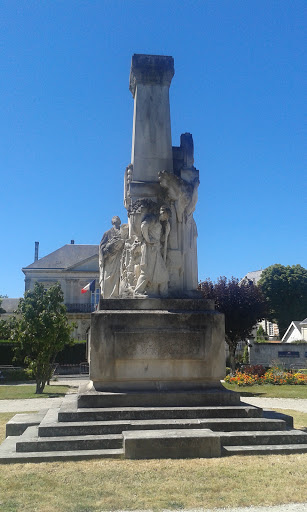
{"x":89,"y":287}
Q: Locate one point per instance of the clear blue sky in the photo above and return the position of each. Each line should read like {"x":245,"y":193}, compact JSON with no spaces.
{"x":66,"y":123}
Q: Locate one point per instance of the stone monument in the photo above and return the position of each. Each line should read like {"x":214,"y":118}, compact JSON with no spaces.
{"x":157,"y":350}
{"x":153,"y":332}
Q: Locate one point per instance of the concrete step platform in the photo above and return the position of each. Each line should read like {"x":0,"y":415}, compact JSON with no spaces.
{"x":53,"y":424}
{"x":148,"y":431}
{"x":273,"y":437}
{"x":89,"y":397}
{"x":8,"y":454}
{"x":31,"y":442}
{"x":273,"y":449}
{"x":117,"y":427}
{"x":171,"y":444}
{"x":144,"y":413}
{"x":20,"y":422}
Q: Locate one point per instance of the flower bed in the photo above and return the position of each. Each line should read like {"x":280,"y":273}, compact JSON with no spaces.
{"x":274,"y":375}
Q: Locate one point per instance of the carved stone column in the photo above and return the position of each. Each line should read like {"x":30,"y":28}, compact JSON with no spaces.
{"x":150,"y":79}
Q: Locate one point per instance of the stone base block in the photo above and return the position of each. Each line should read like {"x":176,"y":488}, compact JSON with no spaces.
{"x":171,"y":444}
{"x":156,"y":345}
{"x":89,"y":397}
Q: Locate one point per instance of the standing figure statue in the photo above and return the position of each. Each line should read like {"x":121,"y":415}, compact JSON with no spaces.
{"x":110,"y":252}
{"x":153,"y":279}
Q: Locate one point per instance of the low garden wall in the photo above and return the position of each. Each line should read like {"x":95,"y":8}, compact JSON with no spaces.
{"x":289,"y":355}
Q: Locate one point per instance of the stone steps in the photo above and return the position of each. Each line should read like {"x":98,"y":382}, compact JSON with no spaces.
{"x":99,"y":428}
{"x":210,"y":397}
{"x":273,"y":449}
{"x":116,"y":427}
{"x":33,"y":443}
{"x":8,"y":454}
{"x":69,"y":413}
{"x":72,"y":433}
{"x":20,"y":422}
{"x":274,"y":437}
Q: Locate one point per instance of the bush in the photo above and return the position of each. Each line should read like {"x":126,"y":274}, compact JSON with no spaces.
{"x":256,"y":369}
{"x":70,"y":355}
{"x":74,"y":354}
{"x":21,"y":374}
{"x":242,"y":379}
{"x":7,"y":353}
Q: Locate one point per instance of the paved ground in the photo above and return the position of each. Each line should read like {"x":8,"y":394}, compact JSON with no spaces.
{"x":37,"y":404}
{"x":298,"y":404}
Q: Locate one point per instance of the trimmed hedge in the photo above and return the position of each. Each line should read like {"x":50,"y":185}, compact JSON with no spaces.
{"x":7,"y":353}
{"x":70,"y":355}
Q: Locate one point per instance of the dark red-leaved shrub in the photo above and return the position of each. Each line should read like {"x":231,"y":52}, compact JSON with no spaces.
{"x":256,"y":369}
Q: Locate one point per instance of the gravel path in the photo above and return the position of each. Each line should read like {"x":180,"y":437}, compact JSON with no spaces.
{"x":37,"y":404}
{"x":297,"y":404}
{"x":29,"y":404}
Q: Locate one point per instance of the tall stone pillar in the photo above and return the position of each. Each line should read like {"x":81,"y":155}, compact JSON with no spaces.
{"x":150,"y":79}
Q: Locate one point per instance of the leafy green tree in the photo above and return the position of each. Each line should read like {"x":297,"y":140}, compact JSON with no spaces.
{"x":245,"y":358}
{"x":285,"y":290}
{"x":261,"y":336}
{"x":242,"y":304}
{"x":3,"y":325}
{"x":41,"y":330}
{"x":1,"y":309}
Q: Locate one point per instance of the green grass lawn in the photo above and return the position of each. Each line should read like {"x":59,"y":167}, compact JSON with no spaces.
{"x":28,"y":391}
{"x":270,"y":390}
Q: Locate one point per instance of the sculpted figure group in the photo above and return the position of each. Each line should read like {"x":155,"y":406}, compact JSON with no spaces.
{"x":155,"y":253}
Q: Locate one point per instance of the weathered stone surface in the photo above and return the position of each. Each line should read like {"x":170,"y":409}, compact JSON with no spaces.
{"x":20,"y":422}
{"x":89,"y":397}
{"x":75,"y":433}
{"x":171,"y":305}
{"x":150,"y":78}
{"x":157,"y":349}
{"x":171,"y":444}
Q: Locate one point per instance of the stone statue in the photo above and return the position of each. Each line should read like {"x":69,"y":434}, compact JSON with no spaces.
{"x":110,"y":253}
{"x":154,"y":275}
{"x":182,"y":196}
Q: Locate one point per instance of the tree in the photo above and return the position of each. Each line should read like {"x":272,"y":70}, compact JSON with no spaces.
{"x":1,"y":309}
{"x":3,"y":324}
{"x":285,"y":290}
{"x":261,"y":336}
{"x":242,"y":304}
{"x":42,"y":330}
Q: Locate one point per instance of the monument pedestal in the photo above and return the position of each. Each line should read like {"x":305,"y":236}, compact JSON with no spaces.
{"x":156,"y":346}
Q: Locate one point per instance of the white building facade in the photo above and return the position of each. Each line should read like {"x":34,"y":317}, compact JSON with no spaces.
{"x":73,"y":266}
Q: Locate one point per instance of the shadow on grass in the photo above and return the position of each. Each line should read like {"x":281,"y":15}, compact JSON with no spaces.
{"x":46,"y":394}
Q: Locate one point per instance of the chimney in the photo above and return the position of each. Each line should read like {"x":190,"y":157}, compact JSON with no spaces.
{"x":36,"y":251}
{"x":72,"y":242}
